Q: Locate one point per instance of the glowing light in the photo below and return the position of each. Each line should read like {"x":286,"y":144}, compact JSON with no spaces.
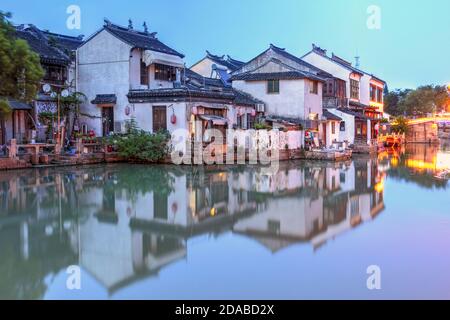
{"x":379,"y":187}
{"x":213,"y":212}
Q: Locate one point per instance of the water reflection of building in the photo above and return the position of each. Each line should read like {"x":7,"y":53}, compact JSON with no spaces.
{"x":328,"y":200}
{"x":122,"y":223}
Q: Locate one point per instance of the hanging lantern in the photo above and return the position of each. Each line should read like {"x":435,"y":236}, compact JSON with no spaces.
{"x":127,"y":110}
{"x":173,"y":119}
{"x":194,"y":111}
{"x":253,"y":112}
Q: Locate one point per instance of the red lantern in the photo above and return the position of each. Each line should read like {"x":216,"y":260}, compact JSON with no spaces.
{"x":194,"y":111}
{"x":253,"y":112}
{"x":173,"y":119}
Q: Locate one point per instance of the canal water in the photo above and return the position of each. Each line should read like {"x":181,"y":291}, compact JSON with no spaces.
{"x":311,"y":231}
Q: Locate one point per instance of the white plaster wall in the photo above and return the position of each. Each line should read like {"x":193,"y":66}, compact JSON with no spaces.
{"x":329,"y":66}
{"x":135,"y":70}
{"x":349,"y":133}
{"x":296,"y":223}
{"x":313,"y":102}
{"x":364,"y":89}
{"x":330,"y":136}
{"x":290,"y":102}
{"x":203,"y":68}
{"x":104,"y":68}
{"x":143,"y":113}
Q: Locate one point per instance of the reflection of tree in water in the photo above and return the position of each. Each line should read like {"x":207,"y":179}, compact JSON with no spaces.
{"x":25,"y":278}
{"x":138,"y":180}
{"x":422,"y":177}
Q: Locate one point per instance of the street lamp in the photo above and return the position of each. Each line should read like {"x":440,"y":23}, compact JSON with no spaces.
{"x":61,"y":92}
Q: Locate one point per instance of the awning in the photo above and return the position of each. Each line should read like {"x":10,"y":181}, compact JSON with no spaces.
{"x":330,"y":116}
{"x":18,"y":105}
{"x":151,"y":57}
{"x":105,"y":99}
{"x":216,"y":120}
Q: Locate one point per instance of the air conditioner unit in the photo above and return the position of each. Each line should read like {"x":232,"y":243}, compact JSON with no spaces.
{"x":260,"y":107}
{"x":119,"y":127}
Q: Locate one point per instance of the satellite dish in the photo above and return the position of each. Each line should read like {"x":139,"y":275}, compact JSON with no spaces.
{"x":47,"y":88}
{"x":65,"y":93}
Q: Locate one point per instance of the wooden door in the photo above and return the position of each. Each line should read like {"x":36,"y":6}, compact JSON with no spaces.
{"x":159,"y":118}
{"x":108,"y":120}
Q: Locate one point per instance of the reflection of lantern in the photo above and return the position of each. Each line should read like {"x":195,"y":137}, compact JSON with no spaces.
{"x":173,"y":119}
{"x":194,"y":110}
{"x":127,"y":110}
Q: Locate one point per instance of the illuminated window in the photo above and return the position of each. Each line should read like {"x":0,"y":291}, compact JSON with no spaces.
{"x":165,"y":73}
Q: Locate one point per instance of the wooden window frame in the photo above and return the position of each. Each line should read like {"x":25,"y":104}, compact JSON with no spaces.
{"x":273,"y":86}
{"x":165,"y":72}
{"x":354,"y":89}
{"x":163,"y":126}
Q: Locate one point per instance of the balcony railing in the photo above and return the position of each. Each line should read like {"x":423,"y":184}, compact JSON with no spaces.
{"x":335,"y":102}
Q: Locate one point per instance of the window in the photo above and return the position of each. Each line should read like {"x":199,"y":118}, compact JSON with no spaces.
{"x":274,"y":226}
{"x":314,"y":89}
{"x":165,"y":73}
{"x":333,"y":127}
{"x":373,"y":92}
{"x":250,"y":121}
{"x":273,"y":86}
{"x":341,"y":89}
{"x":380,"y":95}
{"x":144,"y":73}
{"x":342,"y":128}
{"x":240,"y":122}
{"x":159,"y":118}
{"x":354,"y":89}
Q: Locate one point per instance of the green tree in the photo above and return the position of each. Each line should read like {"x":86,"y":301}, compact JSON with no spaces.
{"x":419,"y":102}
{"x":20,"y":68}
{"x":400,"y":125}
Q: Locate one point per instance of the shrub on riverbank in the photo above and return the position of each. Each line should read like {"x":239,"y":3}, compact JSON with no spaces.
{"x":139,"y":145}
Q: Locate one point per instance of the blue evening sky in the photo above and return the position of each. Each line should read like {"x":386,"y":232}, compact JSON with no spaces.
{"x":410,"y":49}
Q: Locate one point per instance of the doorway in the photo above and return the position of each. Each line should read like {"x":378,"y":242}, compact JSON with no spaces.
{"x":159,"y":118}
{"x":324,"y":126}
{"x":108,"y":120}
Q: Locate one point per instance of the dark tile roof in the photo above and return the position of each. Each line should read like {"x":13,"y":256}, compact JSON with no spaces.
{"x":18,"y":105}
{"x":300,"y":61}
{"x":228,"y":62}
{"x":288,"y":75}
{"x":357,"y":115}
{"x":136,"y":96}
{"x":378,"y":79}
{"x":194,"y":79}
{"x":346,"y":64}
{"x":245,"y":99}
{"x":105,"y":99}
{"x":330,"y":116}
{"x":140,"y":39}
{"x":358,"y":104}
{"x":52,"y":47}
